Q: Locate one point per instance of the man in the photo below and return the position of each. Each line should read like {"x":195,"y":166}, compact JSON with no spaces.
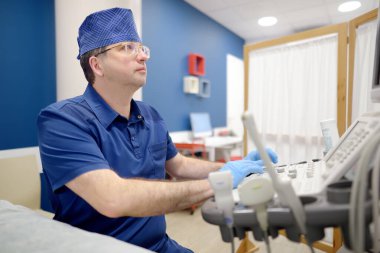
{"x":105,"y":155}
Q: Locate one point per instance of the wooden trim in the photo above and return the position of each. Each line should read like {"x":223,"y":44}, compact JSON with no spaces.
{"x":321,"y":245}
{"x":338,"y":241}
{"x":296,"y":37}
{"x":353,"y":25}
{"x":342,"y":78}
{"x":365,"y":18}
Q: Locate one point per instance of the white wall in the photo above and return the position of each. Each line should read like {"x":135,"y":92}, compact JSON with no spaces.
{"x":235,"y":94}
{"x":69,"y":16}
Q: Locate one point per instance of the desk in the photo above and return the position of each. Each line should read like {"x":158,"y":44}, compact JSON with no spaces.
{"x":226,"y":143}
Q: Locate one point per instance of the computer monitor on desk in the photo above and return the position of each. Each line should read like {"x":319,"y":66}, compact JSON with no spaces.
{"x":200,"y":125}
{"x":202,"y":129}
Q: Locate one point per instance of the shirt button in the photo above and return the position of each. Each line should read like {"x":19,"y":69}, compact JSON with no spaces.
{"x":133,"y":138}
{"x":139,"y":116}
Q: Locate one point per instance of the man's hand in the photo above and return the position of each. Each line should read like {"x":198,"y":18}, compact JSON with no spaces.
{"x":255,"y":156}
{"x":240,"y":169}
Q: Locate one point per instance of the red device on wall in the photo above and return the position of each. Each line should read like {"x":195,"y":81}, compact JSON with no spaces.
{"x":196,"y":65}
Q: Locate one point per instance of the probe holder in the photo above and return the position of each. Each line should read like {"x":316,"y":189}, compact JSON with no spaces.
{"x":328,"y":209}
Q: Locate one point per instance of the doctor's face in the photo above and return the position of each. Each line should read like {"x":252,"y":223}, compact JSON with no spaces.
{"x":125,"y":63}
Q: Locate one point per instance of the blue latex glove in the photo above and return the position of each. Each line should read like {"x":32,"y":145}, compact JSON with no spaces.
{"x":240,"y":169}
{"x":255,"y":156}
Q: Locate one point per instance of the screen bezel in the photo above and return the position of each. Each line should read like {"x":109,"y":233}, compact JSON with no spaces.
{"x":343,"y":139}
{"x":375,"y":92}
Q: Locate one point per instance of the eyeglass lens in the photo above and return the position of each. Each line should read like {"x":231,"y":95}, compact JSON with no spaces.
{"x":135,"y":48}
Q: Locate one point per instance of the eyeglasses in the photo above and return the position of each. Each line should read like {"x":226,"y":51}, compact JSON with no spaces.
{"x":131,"y":48}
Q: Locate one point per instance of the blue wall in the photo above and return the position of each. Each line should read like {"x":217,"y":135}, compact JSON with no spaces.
{"x":173,"y":29}
{"x":27,"y":66}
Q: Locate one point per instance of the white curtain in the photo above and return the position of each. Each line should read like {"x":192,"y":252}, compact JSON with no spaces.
{"x":363,"y":70}
{"x":291,"y":89}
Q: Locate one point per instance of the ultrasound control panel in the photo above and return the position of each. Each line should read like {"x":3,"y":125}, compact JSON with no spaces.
{"x":345,"y":154}
{"x":313,"y":177}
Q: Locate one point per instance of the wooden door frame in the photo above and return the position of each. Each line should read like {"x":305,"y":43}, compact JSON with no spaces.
{"x":341,"y":31}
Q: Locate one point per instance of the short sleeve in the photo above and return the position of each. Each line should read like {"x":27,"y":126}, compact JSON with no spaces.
{"x":171,"y":149}
{"x":67,"y":146}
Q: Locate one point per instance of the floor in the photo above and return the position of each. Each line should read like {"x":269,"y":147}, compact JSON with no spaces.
{"x":193,"y":232}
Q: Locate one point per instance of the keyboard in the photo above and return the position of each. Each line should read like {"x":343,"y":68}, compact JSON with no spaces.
{"x":306,"y":177}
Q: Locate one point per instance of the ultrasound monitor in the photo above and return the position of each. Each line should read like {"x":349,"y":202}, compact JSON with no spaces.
{"x":375,"y":92}
{"x":200,"y":124}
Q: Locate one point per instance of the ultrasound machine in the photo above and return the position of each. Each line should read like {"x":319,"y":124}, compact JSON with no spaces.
{"x":340,"y":190}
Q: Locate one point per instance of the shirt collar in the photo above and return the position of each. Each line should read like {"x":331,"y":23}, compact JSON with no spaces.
{"x":104,"y":112}
{"x":136,"y":115}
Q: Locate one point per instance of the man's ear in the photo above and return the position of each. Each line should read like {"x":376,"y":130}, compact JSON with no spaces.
{"x":96,"y":65}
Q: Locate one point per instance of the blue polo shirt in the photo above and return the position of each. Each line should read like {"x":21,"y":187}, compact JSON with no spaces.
{"x":84,"y":134}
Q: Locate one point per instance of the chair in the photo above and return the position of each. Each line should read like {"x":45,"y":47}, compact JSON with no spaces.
{"x":20,"y":181}
{"x":192,"y":148}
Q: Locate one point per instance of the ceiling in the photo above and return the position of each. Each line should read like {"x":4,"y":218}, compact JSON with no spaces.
{"x":240,"y":16}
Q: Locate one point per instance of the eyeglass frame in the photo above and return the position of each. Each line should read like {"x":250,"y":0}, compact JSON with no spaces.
{"x":140,"y":45}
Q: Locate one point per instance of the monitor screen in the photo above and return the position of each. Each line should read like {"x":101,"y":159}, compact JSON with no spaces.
{"x":200,"y":124}
{"x":375,"y":92}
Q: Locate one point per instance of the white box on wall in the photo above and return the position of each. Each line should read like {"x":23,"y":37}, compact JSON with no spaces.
{"x":191,"y":84}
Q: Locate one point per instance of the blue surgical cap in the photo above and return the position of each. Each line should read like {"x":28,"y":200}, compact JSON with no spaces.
{"x":105,"y":28}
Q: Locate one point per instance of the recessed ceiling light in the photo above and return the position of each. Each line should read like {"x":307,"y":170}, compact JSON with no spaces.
{"x":349,"y":6}
{"x":267,"y":21}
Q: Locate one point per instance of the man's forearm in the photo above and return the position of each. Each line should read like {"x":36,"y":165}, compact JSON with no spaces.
{"x":192,"y":168}
{"x":148,"y":198}
{"x":114,"y":196}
